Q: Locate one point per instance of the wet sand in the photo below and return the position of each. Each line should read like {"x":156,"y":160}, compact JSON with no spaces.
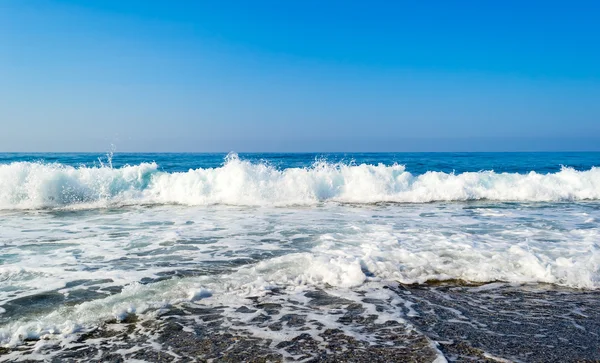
{"x":450,"y":321}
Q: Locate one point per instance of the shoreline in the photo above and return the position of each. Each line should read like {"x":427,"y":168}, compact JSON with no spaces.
{"x":445,"y":321}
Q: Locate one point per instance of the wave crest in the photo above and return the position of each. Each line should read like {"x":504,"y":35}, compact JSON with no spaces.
{"x":238,"y":182}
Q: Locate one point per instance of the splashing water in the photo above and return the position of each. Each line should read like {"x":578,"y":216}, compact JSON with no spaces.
{"x":84,"y":244}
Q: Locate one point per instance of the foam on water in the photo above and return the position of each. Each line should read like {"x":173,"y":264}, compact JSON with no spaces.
{"x":232,"y":253}
{"x":80,"y":245}
{"x":27,"y":185}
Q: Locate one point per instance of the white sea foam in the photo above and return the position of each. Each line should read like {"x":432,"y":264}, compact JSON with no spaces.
{"x":232,"y":252}
{"x":35,"y":185}
{"x":368,"y":261}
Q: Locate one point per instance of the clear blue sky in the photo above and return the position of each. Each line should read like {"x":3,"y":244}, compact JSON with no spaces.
{"x":299,"y":75}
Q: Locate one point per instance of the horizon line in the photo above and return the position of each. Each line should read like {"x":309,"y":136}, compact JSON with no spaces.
{"x":299,"y":152}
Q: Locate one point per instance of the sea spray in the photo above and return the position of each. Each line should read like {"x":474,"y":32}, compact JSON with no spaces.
{"x":31,"y":185}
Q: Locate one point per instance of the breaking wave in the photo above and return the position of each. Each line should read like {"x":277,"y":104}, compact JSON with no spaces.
{"x":29,"y":185}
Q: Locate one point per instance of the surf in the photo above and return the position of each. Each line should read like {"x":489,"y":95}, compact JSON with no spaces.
{"x":37,"y":185}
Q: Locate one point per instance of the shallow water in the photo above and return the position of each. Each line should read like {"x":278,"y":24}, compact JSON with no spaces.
{"x":84,"y":241}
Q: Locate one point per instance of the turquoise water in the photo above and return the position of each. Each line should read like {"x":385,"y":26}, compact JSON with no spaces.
{"x":38,"y":181}
{"x":415,"y":162}
{"x":85,"y":238}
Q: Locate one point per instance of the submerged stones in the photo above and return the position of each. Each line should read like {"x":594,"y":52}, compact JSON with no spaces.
{"x":456,"y":322}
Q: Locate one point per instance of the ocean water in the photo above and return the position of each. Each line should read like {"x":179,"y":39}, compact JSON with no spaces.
{"x":87,"y":239}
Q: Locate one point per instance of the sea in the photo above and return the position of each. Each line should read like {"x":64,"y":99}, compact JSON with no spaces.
{"x":316,"y":257}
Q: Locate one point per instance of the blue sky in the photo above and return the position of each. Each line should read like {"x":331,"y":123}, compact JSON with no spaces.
{"x":299,"y":75}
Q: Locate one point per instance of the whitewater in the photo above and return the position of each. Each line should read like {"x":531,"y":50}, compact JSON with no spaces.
{"x":278,"y":248}
{"x":31,"y":185}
